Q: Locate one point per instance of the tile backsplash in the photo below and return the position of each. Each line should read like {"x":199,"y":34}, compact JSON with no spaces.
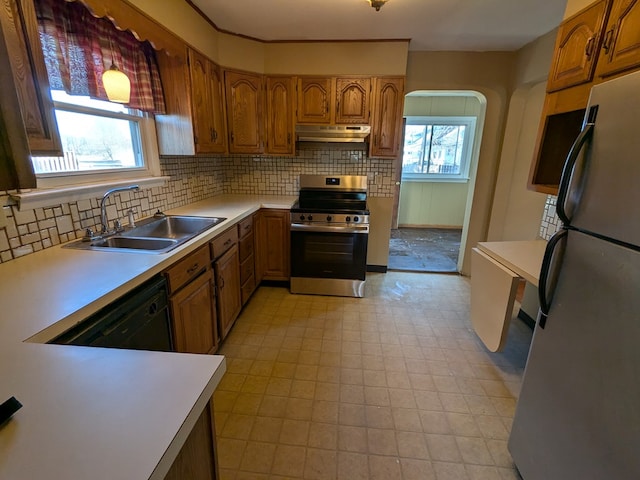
{"x":191,"y":179}
{"x":550,"y":223}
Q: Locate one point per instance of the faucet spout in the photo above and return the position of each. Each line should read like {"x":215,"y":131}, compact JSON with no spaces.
{"x":103,"y":204}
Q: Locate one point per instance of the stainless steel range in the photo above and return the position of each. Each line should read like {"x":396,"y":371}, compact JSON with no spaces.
{"x":329,"y":235}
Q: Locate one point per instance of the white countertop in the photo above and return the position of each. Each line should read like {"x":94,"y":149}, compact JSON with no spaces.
{"x":522,"y":257}
{"x":94,"y":413}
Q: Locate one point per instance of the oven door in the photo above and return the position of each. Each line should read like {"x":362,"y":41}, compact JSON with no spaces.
{"x":329,"y":251}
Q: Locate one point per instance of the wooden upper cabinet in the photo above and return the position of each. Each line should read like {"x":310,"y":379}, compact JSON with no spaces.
{"x":577,"y":45}
{"x":621,"y":43}
{"x":20,"y":31}
{"x":244,"y":111}
{"x":352,"y":100}
{"x":207,"y":101}
{"x":386,"y":131}
{"x":194,"y":98}
{"x":279,"y":122}
{"x":314,"y":100}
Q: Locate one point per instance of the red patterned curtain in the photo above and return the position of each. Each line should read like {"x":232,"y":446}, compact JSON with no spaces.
{"x":78,"y":48}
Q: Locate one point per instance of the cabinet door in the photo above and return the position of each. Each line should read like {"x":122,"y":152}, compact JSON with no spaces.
{"x":20,"y":31}
{"x":244,"y":112}
{"x":194,"y":317}
{"x":227,"y":269}
{"x":387,"y":117}
{"x":621,"y":43}
{"x":280,"y":134}
{"x":201,"y":102}
{"x":353,"y":100}
{"x":175,"y":128}
{"x":314,"y":100}
{"x":218,"y":121}
{"x":576,"y":49}
{"x":273,"y":245}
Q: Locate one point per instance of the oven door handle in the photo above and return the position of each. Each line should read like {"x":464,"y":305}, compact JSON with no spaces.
{"x":302,"y":227}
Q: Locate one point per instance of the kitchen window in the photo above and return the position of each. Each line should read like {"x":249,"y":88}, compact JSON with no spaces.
{"x":437,"y":148}
{"x":102,"y":142}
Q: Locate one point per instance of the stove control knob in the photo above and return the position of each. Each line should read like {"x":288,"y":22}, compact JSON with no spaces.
{"x":310,"y":217}
{"x":348,"y":219}
{"x":302,"y":218}
{"x":328,"y":218}
{"x":356,"y":219}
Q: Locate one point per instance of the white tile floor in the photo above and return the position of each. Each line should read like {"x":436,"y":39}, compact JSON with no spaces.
{"x":392,"y":386}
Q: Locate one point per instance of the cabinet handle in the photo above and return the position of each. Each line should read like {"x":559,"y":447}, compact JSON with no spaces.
{"x":588,"y":48}
{"x":606,"y":44}
{"x":193,"y":268}
{"x":215,"y":134}
{"x":232,"y":138}
{"x":221,"y":283}
{"x":227,"y":242}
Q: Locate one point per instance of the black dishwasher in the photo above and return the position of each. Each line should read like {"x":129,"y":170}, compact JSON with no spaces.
{"x":138,"y":320}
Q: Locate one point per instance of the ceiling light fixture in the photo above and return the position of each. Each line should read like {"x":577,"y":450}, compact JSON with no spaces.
{"x":377,"y":4}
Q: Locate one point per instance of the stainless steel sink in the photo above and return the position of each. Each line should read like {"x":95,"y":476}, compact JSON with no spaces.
{"x":174,"y":226}
{"x":135,"y":243}
{"x":158,"y":234}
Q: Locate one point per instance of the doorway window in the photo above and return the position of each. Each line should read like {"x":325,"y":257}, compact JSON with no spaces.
{"x":437,"y":148}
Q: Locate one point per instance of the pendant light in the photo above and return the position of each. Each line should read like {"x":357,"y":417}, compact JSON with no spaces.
{"x":116,"y":84}
{"x":377,"y":4}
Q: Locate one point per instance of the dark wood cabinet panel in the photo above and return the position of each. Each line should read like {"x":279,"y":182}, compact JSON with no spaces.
{"x":353,"y":100}
{"x":194,"y":316}
{"x":20,"y":35}
{"x":227,"y":269}
{"x":386,"y":133}
{"x":314,"y":100}
{"x":244,"y":112}
{"x":273,"y":245}
{"x":621,"y":44}
{"x":279,"y":121}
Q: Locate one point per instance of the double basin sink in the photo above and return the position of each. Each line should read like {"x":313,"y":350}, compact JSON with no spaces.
{"x":158,"y":234}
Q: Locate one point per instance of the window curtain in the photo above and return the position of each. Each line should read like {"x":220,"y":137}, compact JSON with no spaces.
{"x":79,"y":47}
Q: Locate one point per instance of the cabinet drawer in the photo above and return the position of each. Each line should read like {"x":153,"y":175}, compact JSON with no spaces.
{"x":245,"y":227}
{"x":246,"y":247}
{"x":247,"y":288}
{"x":247,"y":269}
{"x":187,"y":268}
{"x":224,"y":242}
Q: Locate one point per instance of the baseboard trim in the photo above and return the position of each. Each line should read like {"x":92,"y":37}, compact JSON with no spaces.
{"x":524,"y":316}
{"x":377,"y":268}
{"x":450,"y":227}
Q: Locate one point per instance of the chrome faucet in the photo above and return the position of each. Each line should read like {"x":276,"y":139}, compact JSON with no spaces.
{"x":103,"y":204}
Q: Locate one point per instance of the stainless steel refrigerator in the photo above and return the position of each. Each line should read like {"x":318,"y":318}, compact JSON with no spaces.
{"x":578,"y":413}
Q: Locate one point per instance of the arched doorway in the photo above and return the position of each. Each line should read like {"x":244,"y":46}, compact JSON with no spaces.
{"x":436,"y":174}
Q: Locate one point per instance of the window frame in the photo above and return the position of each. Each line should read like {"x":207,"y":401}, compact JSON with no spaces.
{"x":470,"y":123}
{"x":148,"y":152}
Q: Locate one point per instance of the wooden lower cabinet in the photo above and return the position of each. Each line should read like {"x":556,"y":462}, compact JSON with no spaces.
{"x":246,"y":249}
{"x":192,"y":303}
{"x":197,"y":459}
{"x":273,"y":245}
{"x":227,"y":270}
{"x":194,"y":316}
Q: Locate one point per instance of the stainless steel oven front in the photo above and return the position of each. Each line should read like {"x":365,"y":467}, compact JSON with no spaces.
{"x":328,"y":259}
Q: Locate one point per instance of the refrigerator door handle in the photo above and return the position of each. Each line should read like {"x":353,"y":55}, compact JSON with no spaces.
{"x":549,"y":273}
{"x":565,"y":192}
